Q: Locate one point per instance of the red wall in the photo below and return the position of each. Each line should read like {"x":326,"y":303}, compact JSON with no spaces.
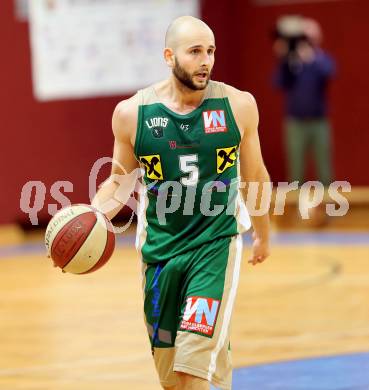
{"x":61,"y":140}
{"x":346,"y":38}
{"x":43,"y":141}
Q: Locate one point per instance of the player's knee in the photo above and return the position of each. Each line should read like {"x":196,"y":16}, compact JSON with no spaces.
{"x":190,"y":382}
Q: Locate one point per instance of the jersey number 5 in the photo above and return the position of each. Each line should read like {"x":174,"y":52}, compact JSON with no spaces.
{"x":187,"y":164}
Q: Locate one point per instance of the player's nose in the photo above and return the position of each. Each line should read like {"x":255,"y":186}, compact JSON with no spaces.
{"x":205,"y":60}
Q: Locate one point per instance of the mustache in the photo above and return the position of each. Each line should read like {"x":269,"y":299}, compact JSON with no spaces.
{"x":202,"y":71}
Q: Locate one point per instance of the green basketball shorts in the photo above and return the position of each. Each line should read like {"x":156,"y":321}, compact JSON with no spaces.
{"x":188,"y":303}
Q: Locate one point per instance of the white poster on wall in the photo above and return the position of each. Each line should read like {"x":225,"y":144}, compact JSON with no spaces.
{"x":89,"y":48}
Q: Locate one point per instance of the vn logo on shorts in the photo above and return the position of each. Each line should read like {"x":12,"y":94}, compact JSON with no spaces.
{"x":200,"y":315}
{"x":226,"y":157}
{"x":214,"y":121}
{"x":152,"y":166}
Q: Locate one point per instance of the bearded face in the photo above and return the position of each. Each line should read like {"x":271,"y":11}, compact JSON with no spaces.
{"x":195,"y":81}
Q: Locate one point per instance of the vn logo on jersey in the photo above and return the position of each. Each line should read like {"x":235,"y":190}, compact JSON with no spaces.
{"x":214,"y":121}
{"x":226,"y":157}
{"x":200,"y":315}
{"x":152,"y":166}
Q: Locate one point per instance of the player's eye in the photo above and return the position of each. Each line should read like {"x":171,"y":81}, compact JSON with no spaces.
{"x":195,"y":51}
{"x":211,"y":51}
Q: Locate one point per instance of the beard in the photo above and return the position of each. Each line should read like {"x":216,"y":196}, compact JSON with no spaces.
{"x":187,"y":79}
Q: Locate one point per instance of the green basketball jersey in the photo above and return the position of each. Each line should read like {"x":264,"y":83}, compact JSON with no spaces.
{"x":191,"y":174}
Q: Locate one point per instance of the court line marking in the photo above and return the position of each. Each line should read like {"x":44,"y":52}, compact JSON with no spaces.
{"x":282,"y":239}
{"x":304,"y":337}
{"x":331,"y":273}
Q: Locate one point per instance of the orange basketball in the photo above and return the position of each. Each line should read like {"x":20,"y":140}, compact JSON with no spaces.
{"x":79,"y":239}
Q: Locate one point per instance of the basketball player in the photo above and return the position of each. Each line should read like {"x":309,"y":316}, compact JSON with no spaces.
{"x":201,"y":135}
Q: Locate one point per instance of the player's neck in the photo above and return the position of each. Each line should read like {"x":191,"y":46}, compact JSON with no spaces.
{"x":180,"y":98}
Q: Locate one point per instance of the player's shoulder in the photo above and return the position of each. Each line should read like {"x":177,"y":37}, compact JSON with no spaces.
{"x":242,"y":97}
{"x":243,"y":105}
{"x":124,"y":121}
{"x":127,"y":107}
{"x":145,"y":96}
{"x":125,"y":116}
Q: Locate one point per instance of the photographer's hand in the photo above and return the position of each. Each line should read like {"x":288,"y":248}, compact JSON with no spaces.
{"x":305,"y":52}
{"x":280,"y":48}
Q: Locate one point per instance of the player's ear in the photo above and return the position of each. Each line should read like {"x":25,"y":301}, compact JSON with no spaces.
{"x":169,"y":57}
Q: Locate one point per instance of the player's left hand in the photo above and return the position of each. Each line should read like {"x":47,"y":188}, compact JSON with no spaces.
{"x":260,"y":250}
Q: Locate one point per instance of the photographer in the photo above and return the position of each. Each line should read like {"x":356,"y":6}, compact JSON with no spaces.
{"x":303,"y":72}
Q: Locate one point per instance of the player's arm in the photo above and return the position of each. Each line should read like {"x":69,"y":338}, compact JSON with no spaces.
{"x":115,"y":191}
{"x":252,"y":168}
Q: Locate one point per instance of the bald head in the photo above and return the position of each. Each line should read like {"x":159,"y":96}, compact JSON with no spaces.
{"x":186,"y":29}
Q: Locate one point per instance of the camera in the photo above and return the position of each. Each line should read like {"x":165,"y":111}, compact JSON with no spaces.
{"x":290,"y":30}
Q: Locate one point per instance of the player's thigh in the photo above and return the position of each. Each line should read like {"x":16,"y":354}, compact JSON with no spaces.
{"x":162,"y":285}
{"x":202,"y":342}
